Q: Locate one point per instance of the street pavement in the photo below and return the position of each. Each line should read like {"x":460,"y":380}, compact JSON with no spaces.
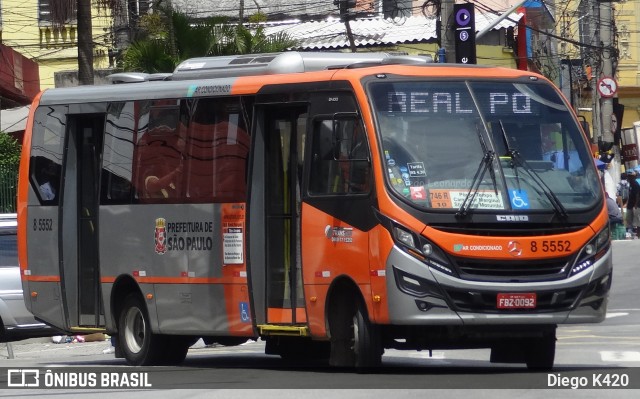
{"x":45,"y":348}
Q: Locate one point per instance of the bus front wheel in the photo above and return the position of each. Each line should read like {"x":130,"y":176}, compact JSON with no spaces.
{"x":355,"y":341}
{"x":139,"y":345}
{"x":540,"y":352}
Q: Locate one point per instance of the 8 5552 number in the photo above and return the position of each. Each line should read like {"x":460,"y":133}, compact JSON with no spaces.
{"x":551,"y":246}
{"x":42,"y":224}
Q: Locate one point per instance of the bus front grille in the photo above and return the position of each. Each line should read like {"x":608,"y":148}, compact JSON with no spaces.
{"x":512,"y":270}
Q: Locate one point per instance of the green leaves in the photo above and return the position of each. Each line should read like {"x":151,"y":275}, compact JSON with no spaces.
{"x":187,"y":38}
{"x":9,"y":151}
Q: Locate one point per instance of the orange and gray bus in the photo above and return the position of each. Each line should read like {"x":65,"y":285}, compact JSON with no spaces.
{"x":332,"y":205}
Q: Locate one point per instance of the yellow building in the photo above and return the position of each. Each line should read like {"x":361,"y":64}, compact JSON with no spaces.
{"x":576,"y":21}
{"x":25,"y":26}
{"x":627,"y":18}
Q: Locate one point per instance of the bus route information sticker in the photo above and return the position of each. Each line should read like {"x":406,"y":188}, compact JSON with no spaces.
{"x":233,"y":234}
{"x":484,"y":199}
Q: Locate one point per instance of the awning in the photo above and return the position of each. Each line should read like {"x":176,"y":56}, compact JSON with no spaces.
{"x":14,"y":119}
{"x":19,"y":78}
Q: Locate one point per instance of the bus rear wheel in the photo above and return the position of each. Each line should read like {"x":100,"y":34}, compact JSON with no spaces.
{"x":176,"y":348}
{"x":140,"y":346}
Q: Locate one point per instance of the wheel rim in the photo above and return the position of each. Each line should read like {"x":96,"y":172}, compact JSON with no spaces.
{"x":134,"y":330}
{"x":356,"y":340}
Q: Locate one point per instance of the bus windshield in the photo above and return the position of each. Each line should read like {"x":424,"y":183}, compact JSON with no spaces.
{"x":483,"y":145}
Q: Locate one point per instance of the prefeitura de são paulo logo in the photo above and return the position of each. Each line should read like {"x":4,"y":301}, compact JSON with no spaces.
{"x":161,"y":236}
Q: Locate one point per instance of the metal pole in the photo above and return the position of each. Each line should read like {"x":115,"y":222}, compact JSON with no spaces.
{"x":446,"y":33}
{"x":505,"y":15}
{"x":606,"y":24}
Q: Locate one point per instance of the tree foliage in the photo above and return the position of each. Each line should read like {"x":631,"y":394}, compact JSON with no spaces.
{"x":167,"y":31}
{"x":9,"y":151}
{"x":9,"y":163}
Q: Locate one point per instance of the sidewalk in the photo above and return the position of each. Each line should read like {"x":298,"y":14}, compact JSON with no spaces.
{"x":46,"y":348}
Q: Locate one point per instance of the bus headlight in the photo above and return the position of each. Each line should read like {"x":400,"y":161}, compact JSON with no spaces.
{"x":405,"y":237}
{"x":592,"y":251}
{"x":427,"y":249}
{"x":421,"y":248}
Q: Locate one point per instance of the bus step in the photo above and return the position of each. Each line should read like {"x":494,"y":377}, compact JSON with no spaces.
{"x":88,"y":330}
{"x":291,"y":331}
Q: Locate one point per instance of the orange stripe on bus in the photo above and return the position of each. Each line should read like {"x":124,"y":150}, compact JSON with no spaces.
{"x":23,"y":186}
{"x":180,"y":280}
{"x":41,"y":279}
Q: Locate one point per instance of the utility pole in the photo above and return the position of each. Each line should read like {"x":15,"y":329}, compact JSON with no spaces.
{"x":85,"y":43}
{"x":446,"y":30}
{"x":344,"y":6}
{"x":122,"y":32}
{"x":606,"y":93}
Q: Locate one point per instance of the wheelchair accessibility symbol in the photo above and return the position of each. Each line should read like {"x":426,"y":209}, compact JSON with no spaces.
{"x":519,"y":199}
{"x":244,"y":312}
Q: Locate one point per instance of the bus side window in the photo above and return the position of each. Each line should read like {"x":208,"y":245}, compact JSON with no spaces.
{"x":357,"y":166}
{"x":324,"y":168}
{"x":341,"y":167}
{"x":46,"y":153}
{"x":159,"y":157}
{"x":117,"y":158}
{"x":217,"y":151}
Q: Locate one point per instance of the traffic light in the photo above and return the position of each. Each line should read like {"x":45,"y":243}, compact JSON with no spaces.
{"x":464,"y":28}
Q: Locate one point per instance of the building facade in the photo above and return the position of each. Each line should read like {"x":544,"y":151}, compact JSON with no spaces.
{"x":26,"y":27}
{"x":388,"y":25}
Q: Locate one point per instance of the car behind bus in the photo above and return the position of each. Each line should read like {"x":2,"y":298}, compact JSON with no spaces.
{"x":16,"y":323}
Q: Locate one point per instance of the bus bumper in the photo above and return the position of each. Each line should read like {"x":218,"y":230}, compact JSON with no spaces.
{"x":420,"y":295}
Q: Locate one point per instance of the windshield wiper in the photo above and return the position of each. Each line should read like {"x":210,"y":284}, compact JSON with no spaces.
{"x":485,"y":163}
{"x":516,"y":158}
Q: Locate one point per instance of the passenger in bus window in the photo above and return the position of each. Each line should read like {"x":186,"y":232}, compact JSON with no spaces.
{"x":47,"y":182}
{"x":166,"y":184}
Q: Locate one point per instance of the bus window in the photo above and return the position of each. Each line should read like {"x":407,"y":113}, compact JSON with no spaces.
{"x":118,"y":153}
{"x":159,"y":154}
{"x":216,"y":153}
{"x":510,"y":120}
{"x":340,"y":163}
{"x":46,"y":153}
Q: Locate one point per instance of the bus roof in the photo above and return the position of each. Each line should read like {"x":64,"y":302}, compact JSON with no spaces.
{"x":215,"y":76}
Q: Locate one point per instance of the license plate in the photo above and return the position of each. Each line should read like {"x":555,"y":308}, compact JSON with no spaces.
{"x":516,"y":300}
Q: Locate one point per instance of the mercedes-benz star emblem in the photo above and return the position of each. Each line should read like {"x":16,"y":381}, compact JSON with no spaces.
{"x":514,"y":248}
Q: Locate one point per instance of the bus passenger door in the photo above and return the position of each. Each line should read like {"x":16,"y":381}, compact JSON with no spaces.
{"x":79,"y":232}
{"x":275,"y":216}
